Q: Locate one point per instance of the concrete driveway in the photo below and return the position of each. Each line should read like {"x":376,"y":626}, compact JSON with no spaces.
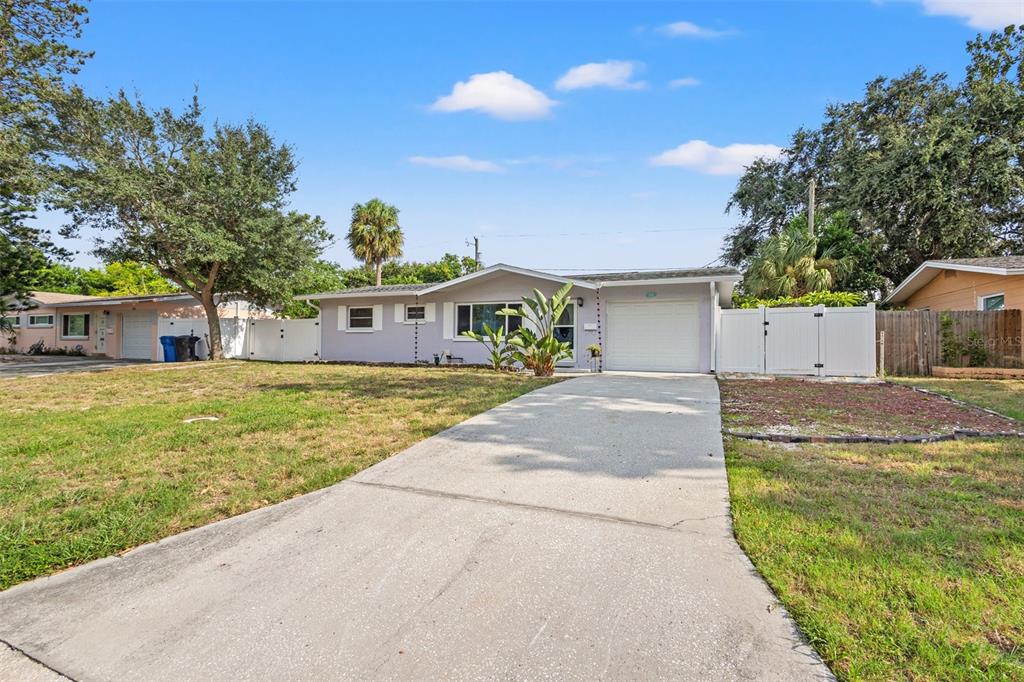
{"x":578,"y":532}
{"x":12,"y":366}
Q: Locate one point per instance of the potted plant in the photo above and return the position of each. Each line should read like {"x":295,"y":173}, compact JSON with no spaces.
{"x":595,"y":353}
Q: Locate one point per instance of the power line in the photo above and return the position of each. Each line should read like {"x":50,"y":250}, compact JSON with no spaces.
{"x":521,"y":235}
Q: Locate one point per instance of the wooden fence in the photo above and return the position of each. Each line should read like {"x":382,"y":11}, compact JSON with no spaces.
{"x":913,"y":338}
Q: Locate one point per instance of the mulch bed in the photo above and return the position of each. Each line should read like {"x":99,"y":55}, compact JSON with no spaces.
{"x":884,"y":412}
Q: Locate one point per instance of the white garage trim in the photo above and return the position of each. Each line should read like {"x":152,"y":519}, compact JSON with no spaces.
{"x":137,"y":335}
{"x":654,"y":336}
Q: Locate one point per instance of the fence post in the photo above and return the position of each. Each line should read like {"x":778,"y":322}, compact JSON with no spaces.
{"x":881,"y":353}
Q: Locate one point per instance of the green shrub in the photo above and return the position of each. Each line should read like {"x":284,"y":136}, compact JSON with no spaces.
{"x":831,"y":299}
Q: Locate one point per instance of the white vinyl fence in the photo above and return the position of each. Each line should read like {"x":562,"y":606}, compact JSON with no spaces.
{"x":284,"y":340}
{"x":816,"y":341}
{"x":232,"y":332}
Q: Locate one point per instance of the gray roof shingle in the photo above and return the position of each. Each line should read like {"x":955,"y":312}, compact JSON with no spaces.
{"x":384,"y":288}
{"x":656,"y":274}
{"x":1008,"y":262}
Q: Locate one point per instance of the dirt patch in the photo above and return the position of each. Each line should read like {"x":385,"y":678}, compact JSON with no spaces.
{"x":793,"y":406}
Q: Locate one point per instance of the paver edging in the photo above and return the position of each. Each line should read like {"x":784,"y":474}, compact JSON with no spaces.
{"x":957,"y":434}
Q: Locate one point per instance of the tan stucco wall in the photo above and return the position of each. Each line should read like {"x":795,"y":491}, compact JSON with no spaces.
{"x":959,"y":290}
{"x":26,"y":336}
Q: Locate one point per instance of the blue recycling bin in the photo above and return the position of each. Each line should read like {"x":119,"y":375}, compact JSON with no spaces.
{"x":168,"y":345}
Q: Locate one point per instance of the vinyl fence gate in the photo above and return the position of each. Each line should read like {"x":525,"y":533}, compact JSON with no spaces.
{"x":816,"y":341}
{"x":284,"y":340}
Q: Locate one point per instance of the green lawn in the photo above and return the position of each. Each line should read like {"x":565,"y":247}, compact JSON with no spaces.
{"x":1005,"y":396}
{"x":898,"y":562}
{"x":94,"y":464}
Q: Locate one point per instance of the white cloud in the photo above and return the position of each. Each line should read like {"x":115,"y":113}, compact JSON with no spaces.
{"x":687,"y":82}
{"x":499,"y":94}
{"x":688,"y":29}
{"x":609,"y":74}
{"x":981,"y":14}
{"x":700,"y":156}
{"x":460,"y":162}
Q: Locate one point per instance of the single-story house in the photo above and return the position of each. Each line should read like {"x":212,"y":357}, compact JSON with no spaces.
{"x":654,"y":321}
{"x":994,"y":283}
{"x":111,"y":326}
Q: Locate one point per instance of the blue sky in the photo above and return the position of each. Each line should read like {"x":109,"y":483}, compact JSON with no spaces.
{"x":625,"y":163}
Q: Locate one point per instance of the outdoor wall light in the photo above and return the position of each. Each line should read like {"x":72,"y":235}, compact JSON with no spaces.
{"x":579,"y":301}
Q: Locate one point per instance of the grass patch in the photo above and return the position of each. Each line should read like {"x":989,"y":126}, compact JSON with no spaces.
{"x":1005,"y":396}
{"x":898,"y":562}
{"x":94,"y":464}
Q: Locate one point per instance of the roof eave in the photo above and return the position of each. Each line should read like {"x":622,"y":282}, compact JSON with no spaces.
{"x":102,"y":302}
{"x":907,"y":287}
{"x":347,"y":294}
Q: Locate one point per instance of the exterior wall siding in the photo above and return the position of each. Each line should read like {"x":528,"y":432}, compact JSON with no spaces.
{"x":51,"y":336}
{"x":400,"y":342}
{"x":961,"y":290}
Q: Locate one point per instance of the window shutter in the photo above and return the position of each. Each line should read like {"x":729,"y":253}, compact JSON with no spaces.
{"x":342,"y":317}
{"x":448,"y":315}
{"x":399,"y":313}
{"x":378,"y":317}
{"x":428,"y":312}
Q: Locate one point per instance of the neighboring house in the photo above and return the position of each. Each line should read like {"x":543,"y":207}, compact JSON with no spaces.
{"x":994,"y":283}
{"x":112,"y":326}
{"x":662,"y":321}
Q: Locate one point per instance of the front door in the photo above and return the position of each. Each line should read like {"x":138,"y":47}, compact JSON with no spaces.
{"x":565,"y":331}
{"x":101,"y":334}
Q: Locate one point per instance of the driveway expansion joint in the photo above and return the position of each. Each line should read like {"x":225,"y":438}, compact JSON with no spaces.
{"x":607,"y":518}
{"x":18,"y":651}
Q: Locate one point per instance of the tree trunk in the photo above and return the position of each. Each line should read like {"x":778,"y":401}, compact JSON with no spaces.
{"x":379,"y":267}
{"x":216,"y":347}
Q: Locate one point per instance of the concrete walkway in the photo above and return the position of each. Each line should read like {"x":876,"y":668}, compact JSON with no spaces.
{"x":578,"y":532}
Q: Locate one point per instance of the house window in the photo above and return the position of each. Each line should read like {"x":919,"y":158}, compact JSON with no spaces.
{"x":360,"y":318}
{"x":565,"y":325}
{"x":993,"y":302}
{"x":75,"y":326}
{"x":40,"y":320}
{"x":473,"y":316}
{"x":15,"y":321}
{"x":415,"y":313}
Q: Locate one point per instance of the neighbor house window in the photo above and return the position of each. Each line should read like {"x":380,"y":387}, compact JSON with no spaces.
{"x":360,"y":318}
{"x":473,"y":316}
{"x":14,"y":320}
{"x":75,"y":326}
{"x":40,"y":320}
{"x":993,"y":302}
{"x":415,"y":313}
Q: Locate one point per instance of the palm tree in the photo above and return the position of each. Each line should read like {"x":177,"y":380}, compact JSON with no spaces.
{"x":374,"y":235}
{"x":788,"y":264}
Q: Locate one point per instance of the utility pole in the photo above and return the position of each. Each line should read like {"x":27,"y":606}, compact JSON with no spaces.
{"x":810,"y":206}
{"x":476,"y":249}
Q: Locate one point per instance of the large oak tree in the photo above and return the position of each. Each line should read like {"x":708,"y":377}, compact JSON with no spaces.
{"x":921,"y":167}
{"x":206,"y":208}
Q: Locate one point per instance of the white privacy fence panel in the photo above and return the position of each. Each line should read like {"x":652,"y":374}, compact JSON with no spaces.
{"x":741,"y":341}
{"x":791,"y":342}
{"x":848,"y":341}
{"x":232,"y":332}
{"x":815,"y":341}
{"x":284,"y":340}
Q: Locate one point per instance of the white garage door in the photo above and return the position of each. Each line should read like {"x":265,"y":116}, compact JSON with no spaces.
{"x":137,"y":335}
{"x":654,"y":336}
